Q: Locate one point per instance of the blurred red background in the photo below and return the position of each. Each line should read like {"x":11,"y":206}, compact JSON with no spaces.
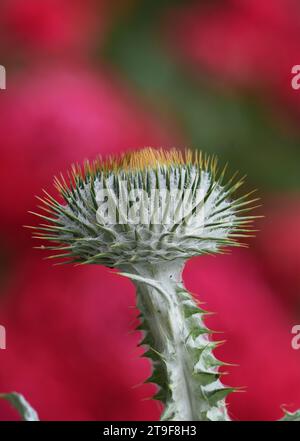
{"x":87,"y":77}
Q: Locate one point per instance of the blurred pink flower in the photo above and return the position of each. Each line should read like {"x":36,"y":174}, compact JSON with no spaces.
{"x":70,"y":350}
{"x":51,"y":26}
{"x":257,"y":331}
{"x":69,"y":346}
{"x":278,"y":248}
{"x":53,"y":116}
{"x":69,"y":353}
{"x":248,"y":43}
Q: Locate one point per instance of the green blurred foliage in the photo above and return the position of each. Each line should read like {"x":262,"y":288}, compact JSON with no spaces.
{"x":239,"y":127}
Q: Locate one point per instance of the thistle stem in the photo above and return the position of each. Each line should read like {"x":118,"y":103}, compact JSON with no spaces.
{"x":179,"y":347}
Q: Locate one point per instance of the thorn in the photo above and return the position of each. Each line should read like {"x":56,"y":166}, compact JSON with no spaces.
{"x":216,"y":332}
{"x":224,"y":363}
{"x":240,"y":389}
{"x":219,"y":343}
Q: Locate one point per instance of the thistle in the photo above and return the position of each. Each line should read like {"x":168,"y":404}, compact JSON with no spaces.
{"x":146,"y":213}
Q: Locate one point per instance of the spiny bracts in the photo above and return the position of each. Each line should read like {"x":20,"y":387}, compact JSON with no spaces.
{"x":149,"y":205}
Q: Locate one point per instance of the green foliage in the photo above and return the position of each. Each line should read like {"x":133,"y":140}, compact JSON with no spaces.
{"x":26,"y":412}
{"x":291,"y":416}
{"x":238,"y":125}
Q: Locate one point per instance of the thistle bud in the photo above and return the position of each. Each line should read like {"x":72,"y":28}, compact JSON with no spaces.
{"x":145,"y":206}
{"x":146,"y":213}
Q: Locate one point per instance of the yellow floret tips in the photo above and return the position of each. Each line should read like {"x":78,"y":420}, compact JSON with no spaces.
{"x":141,"y":160}
{"x":151,"y":204}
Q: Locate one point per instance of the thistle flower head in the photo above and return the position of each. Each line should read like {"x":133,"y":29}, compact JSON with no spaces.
{"x":145,"y":206}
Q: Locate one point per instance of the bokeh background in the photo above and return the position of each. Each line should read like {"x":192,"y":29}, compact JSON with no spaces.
{"x":87,"y":77}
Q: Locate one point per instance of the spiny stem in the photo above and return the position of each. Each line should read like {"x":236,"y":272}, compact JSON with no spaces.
{"x":178,"y":345}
